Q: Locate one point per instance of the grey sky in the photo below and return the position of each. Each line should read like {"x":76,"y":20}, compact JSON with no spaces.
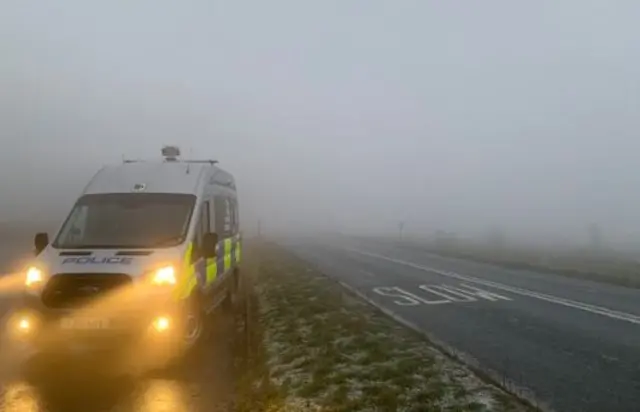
{"x":355,"y":114}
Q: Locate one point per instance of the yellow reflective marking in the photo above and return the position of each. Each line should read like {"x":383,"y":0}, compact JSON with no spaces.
{"x":227,"y":254}
{"x":212,"y":271}
{"x":191,"y":285}
{"x":187,"y":279}
{"x":186,"y":285}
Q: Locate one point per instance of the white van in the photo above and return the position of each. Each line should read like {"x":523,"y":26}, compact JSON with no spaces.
{"x":148,"y":250}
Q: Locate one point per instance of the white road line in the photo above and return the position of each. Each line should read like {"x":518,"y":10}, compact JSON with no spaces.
{"x":408,"y":298}
{"x":450,"y":295}
{"x":472,"y":290}
{"x":499,"y":378}
{"x":371,"y":275}
{"x":627,"y":317}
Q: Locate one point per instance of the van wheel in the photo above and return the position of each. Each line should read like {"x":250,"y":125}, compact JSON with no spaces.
{"x":194,"y":322}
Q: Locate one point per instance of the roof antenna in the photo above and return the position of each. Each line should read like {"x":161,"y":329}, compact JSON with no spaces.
{"x":189,"y":164}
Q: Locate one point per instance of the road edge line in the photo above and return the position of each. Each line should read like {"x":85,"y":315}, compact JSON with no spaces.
{"x":469,"y":361}
{"x":586,"y":307}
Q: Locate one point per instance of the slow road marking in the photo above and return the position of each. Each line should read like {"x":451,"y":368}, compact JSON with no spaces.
{"x":437,"y":294}
{"x":599,"y":310}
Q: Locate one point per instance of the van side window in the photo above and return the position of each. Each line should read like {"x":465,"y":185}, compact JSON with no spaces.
{"x":234,"y":216}
{"x":237,"y":215}
{"x":229,"y":217}
{"x":223,"y":217}
{"x":212,"y":212}
{"x":202,"y":227}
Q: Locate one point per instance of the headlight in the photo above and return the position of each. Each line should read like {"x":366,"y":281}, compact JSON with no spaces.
{"x":164,"y":276}
{"x":21,"y":325}
{"x":34,"y":277}
{"x":161,"y":323}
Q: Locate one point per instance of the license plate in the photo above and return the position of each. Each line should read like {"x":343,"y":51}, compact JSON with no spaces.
{"x":86,"y":323}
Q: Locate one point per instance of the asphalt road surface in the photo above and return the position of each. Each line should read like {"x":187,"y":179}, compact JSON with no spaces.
{"x":574,"y":344}
{"x":204,"y":383}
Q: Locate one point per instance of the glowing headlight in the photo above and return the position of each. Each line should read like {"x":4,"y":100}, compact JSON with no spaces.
{"x":34,"y":277}
{"x":164,"y":276}
{"x":24,"y":324}
{"x":161,"y":323}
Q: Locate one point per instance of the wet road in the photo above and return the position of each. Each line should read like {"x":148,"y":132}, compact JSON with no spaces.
{"x":203,"y":383}
{"x":574,"y":344}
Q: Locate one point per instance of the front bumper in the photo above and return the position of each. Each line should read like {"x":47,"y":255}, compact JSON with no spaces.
{"x":40,"y":329}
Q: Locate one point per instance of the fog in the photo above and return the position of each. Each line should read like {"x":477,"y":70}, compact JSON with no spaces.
{"x":337,"y":115}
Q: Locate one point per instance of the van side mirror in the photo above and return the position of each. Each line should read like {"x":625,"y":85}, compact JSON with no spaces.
{"x":209,"y":245}
{"x":40,"y":242}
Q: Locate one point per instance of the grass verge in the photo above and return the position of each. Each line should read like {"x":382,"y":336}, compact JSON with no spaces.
{"x":314,"y":347}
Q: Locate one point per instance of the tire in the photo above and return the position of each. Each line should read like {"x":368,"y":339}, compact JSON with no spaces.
{"x":188,"y":347}
{"x":195,"y":323}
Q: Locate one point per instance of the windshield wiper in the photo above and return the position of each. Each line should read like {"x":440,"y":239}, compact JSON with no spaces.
{"x":96,"y":246}
{"x":169,"y":240}
{"x":173,"y":239}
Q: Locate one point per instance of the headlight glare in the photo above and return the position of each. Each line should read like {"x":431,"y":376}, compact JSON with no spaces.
{"x":164,"y":276}
{"x":34,"y":277}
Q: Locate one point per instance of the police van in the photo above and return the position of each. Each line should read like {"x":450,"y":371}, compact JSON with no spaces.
{"x":148,"y":250}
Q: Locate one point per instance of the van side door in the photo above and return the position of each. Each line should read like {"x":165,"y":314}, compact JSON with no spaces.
{"x":224,"y":227}
{"x":198,"y":261}
{"x":235,"y":229}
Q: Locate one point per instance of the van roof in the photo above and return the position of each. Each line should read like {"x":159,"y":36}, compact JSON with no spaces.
{"x":156,"y":177}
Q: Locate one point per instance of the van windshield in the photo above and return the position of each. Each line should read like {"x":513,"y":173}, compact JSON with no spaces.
{"x":127,"y":220}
